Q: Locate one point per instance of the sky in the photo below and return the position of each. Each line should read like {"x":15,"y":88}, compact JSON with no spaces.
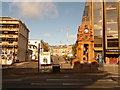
{"x":48,"y":21}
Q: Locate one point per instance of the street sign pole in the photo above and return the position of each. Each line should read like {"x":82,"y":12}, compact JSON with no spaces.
{"x":119,"y":39}
{"x":38,"y":57}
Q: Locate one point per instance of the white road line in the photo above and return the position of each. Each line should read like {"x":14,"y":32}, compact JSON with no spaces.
{"x":104,"y":80}
{"x":66,"y":76}
{"x":69,"y":79}
{"x":7,"y":80}
{"x":74,"y":83}
{"x":46,"y":83}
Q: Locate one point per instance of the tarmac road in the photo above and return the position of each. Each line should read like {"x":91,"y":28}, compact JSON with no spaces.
{"x":25,"y":75}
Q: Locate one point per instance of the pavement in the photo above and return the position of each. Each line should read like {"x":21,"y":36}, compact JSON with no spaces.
{"x":111,"y":68}
{"x":113,"y":71}
{"x":16,"y":65}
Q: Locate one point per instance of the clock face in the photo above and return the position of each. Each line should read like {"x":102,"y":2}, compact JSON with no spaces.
{"x":86,"y":30}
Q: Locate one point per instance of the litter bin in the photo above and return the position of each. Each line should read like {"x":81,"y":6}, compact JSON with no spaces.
{"x":56,"y":68}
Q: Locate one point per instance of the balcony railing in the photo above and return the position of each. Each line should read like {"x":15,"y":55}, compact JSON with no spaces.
{"x":7,"y":36}
{"x":8,"y":29}
{"x":8,"y":46}
{"x":9,"y":39}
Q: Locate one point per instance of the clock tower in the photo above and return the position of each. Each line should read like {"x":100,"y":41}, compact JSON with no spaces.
{"x":85,"y":43}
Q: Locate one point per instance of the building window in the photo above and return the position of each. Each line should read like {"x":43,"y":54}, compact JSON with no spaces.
{"x":112,"y":30}
{"x":30,"y":47}
{"x":16,"y":32}
{"x":10,"y":42}
{"x":111,"y":4}
{"x":10,"y":35}
{"x":112,"y":44}
{"x":112,"y":39}
{"x":0,"y":25}
{"x":86,"y":11}
{"x":98,"y":45}
{"x":11,"y":32}
{"x":5,"y":31}
{"x":33,"y":47}
{"x":110,"y":14}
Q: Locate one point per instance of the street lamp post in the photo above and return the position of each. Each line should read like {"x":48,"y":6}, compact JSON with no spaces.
{"x":67,"y":52}
{"x":119,"y":37}
{"x":104,"y":31}
{"x":38,"y":57}
{"x":67,"y":40}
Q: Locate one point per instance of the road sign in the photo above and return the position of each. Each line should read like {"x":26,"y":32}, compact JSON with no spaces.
{"x":45,"y":58}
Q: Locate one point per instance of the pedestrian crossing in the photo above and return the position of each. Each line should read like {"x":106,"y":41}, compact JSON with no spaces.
{"x":73,"y":81}
{"x":61,"y":80}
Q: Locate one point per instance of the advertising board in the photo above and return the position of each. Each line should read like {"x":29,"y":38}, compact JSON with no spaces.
{"x":45,"y":58}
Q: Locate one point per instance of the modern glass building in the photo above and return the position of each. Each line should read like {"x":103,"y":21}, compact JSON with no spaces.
{"x":104,"y":17}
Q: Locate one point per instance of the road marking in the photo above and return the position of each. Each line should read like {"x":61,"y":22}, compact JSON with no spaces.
{"x":66,"y":76}
{"x":43,"y":84}
{"x":104,"y":80}
{"x":69,"y":79}
{"x":46,"y":83}
{"x":7,"y":80}
{"x":94,"y":86}
{"x":74,"y":83}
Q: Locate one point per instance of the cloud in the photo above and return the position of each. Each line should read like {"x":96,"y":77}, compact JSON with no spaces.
{"x":73,"y":36}
{"x":47,"y":35}
{"x":38,"y":10}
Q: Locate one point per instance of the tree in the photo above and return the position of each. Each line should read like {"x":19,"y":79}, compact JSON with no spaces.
{"x":74,"y":49}
{"x":45,"y":46}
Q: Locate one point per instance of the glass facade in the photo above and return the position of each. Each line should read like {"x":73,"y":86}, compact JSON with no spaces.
{"x":94,"y":13}
{"x":98,"y":22}
{"x":87,"y":12}
{"x":112,"y":24}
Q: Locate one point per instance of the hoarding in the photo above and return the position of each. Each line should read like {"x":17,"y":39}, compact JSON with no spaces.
{"x":45,"y":58}
{"x":113,"y":50}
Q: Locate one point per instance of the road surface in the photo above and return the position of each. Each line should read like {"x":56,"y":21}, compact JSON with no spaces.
{"x":25,"y":75}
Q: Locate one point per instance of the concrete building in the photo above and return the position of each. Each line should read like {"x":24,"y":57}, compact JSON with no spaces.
{"x":34,"y":42}
{"x":104,"y":18}
{"x":13,"y":40}
{"x":63,"y":50}
{"x":33,"y":45}
{"x":34,"y":50}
